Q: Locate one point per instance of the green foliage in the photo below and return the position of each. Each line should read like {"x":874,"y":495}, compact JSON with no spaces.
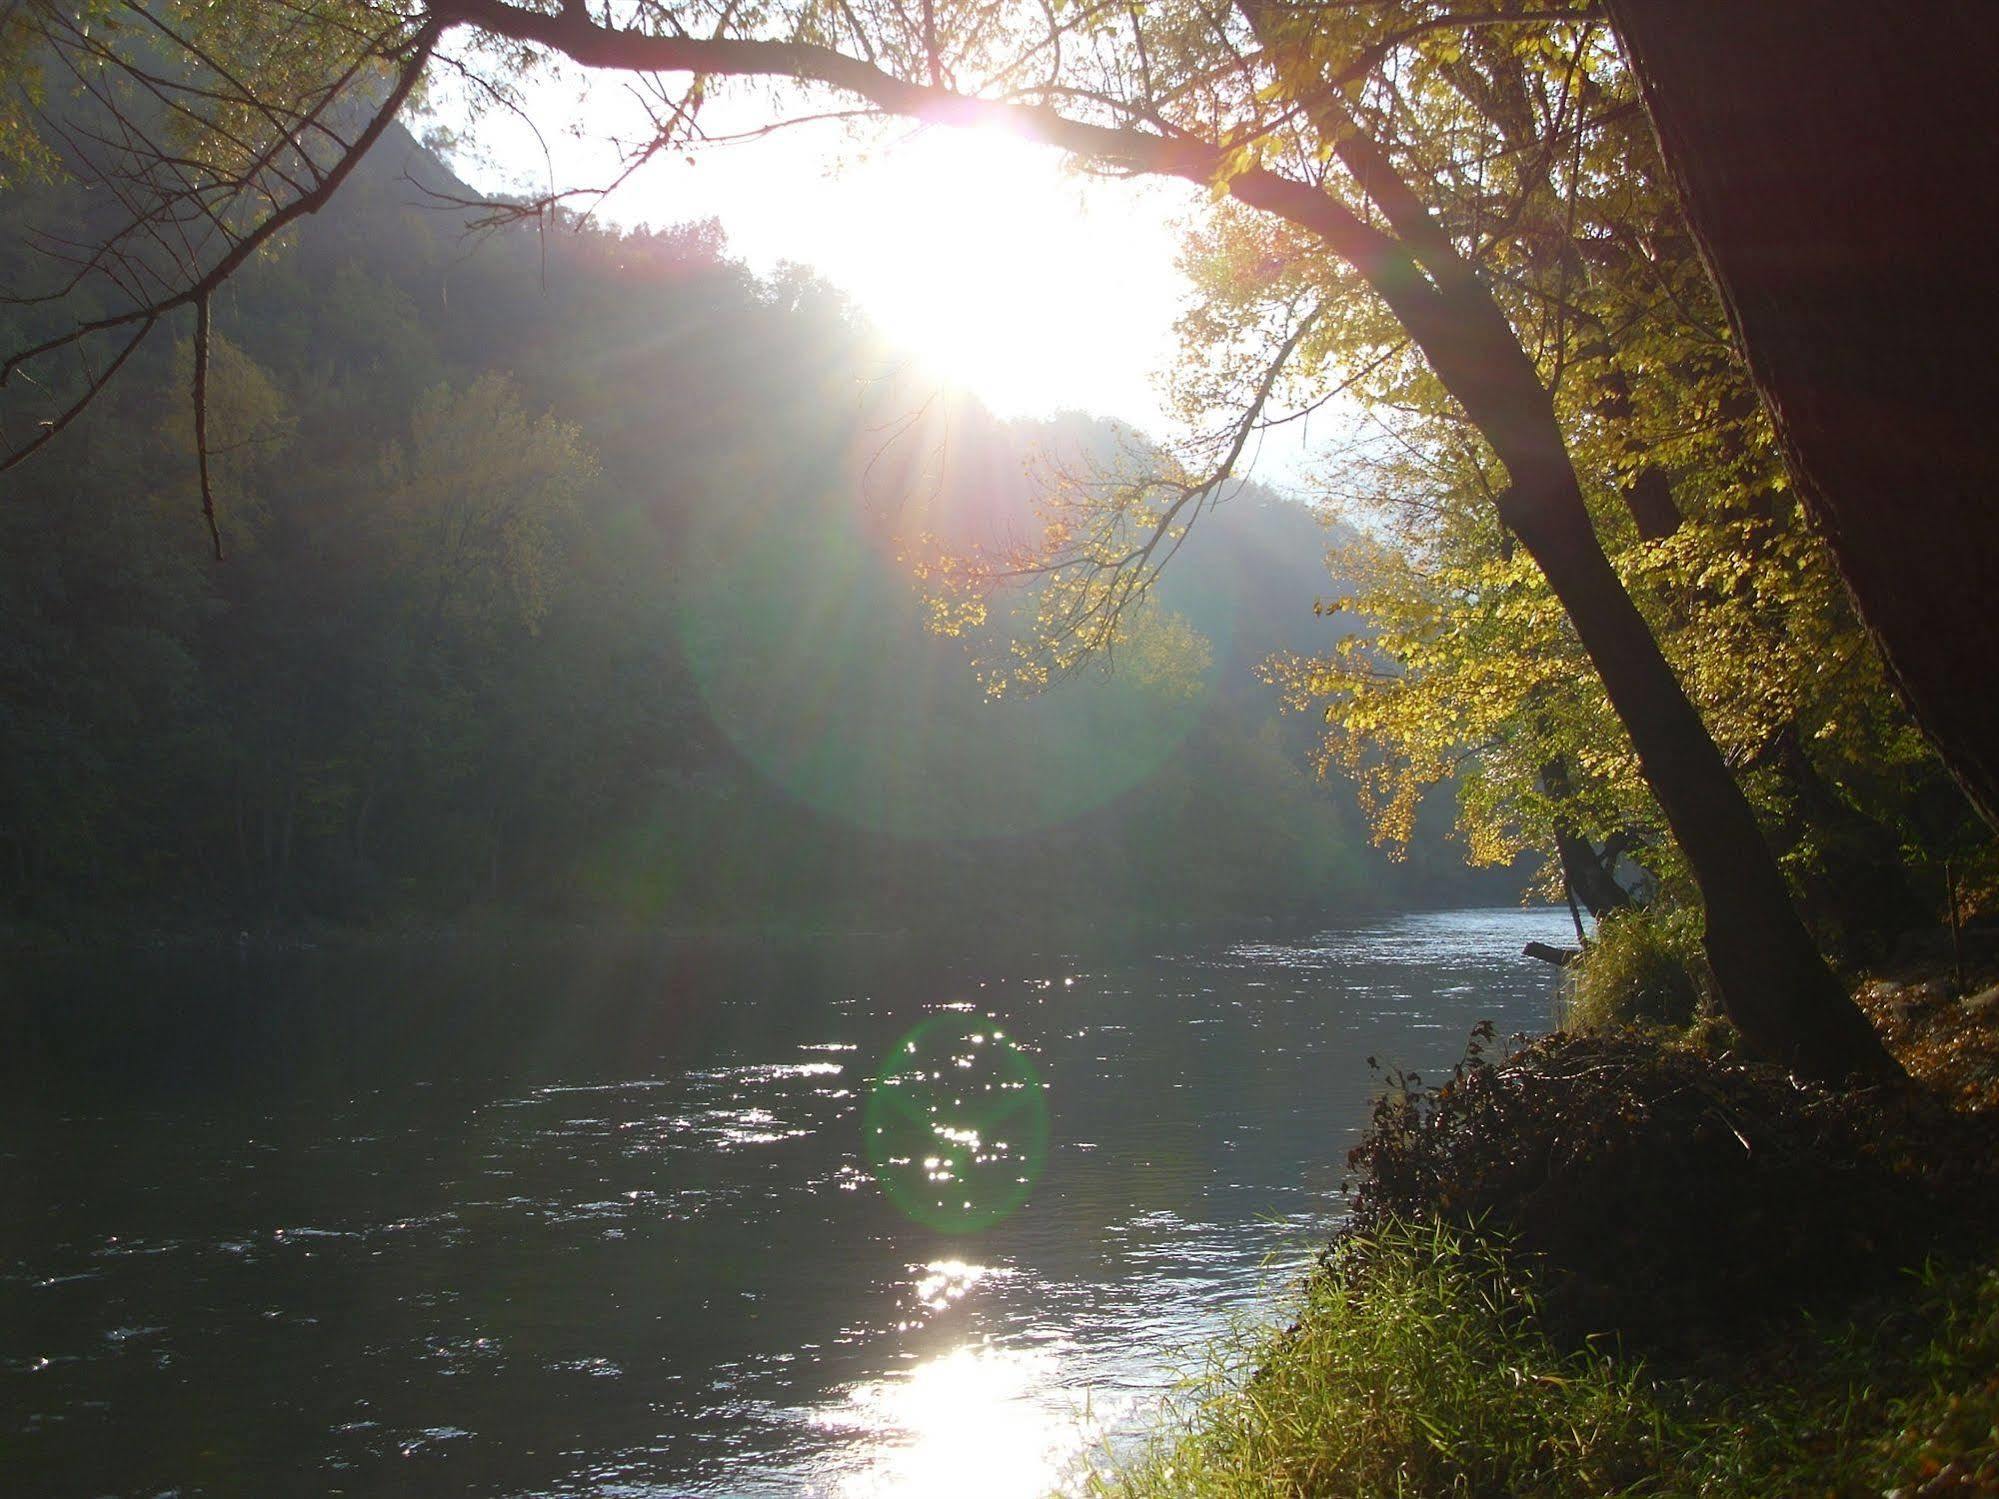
{"x":1642,"y":968}
{"x":1416,"y":1367}
{"x":1163,"y":653}
{"x":1464,"y":672}
{"x":474,"y":504}
{"x":562,"y":576}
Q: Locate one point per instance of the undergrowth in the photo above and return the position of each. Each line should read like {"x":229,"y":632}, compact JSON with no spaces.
{"x":1620,"y":1263}
{"x":1643,"y":968}
{"x":1418,"y":1366}
{"x":1675,"y":1200}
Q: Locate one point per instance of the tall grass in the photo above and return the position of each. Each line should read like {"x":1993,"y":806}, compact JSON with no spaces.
{"x":1416,"y":1368}
{"x":1643,"y":968}
{"x":1418,"y":1373}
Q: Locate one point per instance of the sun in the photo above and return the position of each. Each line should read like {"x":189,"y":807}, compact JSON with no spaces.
{"x":1026,"y":284}
{"x":1031,"y":286}
{"x":1005,"y":273}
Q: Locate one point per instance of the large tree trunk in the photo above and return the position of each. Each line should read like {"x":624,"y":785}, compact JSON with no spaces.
{"x":1586,"y":877}
{"x":1836,"y":161}
{"x":1589,"y":879}
{"x":1774,"y":983}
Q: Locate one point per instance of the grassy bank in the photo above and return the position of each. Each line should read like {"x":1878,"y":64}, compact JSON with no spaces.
{"x":1635,"y":1262}
{"x":1420,"y":1367}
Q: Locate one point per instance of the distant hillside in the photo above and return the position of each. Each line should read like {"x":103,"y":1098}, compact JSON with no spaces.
{"x":563,"y":579}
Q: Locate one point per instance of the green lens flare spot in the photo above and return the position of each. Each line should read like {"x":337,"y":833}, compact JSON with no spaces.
{"x":955,"y":1126}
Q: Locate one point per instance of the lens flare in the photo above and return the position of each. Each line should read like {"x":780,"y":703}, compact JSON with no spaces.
{"x":808,"y":645}
{"x":956,"y":1124}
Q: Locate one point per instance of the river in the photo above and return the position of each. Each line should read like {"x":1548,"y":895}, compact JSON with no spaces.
{"x":597,"y":1218}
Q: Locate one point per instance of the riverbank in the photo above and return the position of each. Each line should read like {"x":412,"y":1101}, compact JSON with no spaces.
{"x":500,"y":927}
{"x":1422,"y":1369}
{"x":1638,"y":1265}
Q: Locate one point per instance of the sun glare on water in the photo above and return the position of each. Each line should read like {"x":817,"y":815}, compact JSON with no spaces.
{"x":977,"y":1423}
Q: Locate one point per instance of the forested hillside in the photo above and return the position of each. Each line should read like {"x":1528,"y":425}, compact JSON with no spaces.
{"x":562,"y":576}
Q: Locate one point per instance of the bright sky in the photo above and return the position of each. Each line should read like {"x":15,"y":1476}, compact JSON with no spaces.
{"x":1034,"y":287}
{"x":984,"y":255}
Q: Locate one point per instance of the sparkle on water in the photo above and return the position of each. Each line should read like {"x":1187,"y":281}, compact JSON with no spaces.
{"x":964,"y":1423}
{"x":955,"y":1126}
{"x":570,"y":1238}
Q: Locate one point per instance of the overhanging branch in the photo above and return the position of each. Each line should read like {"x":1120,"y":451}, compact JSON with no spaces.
{"x":584,"y":41}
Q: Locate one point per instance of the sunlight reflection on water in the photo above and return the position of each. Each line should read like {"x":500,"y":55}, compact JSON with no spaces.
{"x":645,"y":1255}
{"x":979,"y":1421}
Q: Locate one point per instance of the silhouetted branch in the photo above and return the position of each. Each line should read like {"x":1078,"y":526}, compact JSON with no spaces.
{"x":197,"y":287}
{"x":201,"y":421}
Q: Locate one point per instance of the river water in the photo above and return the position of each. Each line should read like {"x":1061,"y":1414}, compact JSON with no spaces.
{"x":595,"y":1218}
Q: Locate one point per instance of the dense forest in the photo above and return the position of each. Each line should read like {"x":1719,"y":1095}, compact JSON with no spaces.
{"x":562,"y":577}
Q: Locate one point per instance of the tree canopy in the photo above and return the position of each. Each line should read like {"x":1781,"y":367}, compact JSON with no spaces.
{"x":1457,"y":212}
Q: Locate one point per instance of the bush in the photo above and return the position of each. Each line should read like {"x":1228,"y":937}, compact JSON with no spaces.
{"x":1578,"y":1270}
{"x":1414,"y":1368}
{"x":1644,"y":968}
{"x":1417,"y":1367}
{"x":1675,"y":1200}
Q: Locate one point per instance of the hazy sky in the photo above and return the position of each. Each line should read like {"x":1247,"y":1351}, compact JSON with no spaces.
{"x":1035,"y":287}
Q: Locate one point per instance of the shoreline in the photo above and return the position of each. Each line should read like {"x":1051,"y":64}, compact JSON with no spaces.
{"x":505,"y":929}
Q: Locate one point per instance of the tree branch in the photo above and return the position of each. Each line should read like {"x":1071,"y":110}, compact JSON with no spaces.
{"x":583,"y":41}
{"x":201,"y":420}
{"x":197,"y":291}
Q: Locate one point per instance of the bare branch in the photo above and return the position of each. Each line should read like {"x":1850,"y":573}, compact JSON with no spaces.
{"x":201,"y":421}
{"x":200,"y":284}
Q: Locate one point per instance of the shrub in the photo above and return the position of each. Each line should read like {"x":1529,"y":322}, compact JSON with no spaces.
{"x":1674,"y":1199}
{"x":1417,"y":1367}
{"x":1644,"y":968}
{"x":1578,"y":1270}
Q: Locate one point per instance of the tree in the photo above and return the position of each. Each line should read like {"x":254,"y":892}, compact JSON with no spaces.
{"x":466,"y":550}
{"x":1830,"y":159}
{"x":1278,"y":110}
{"x":727,"y":709}
{"x":1467,"y":674}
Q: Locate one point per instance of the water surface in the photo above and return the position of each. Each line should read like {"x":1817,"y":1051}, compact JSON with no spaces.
{"x":595,"y":1218}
